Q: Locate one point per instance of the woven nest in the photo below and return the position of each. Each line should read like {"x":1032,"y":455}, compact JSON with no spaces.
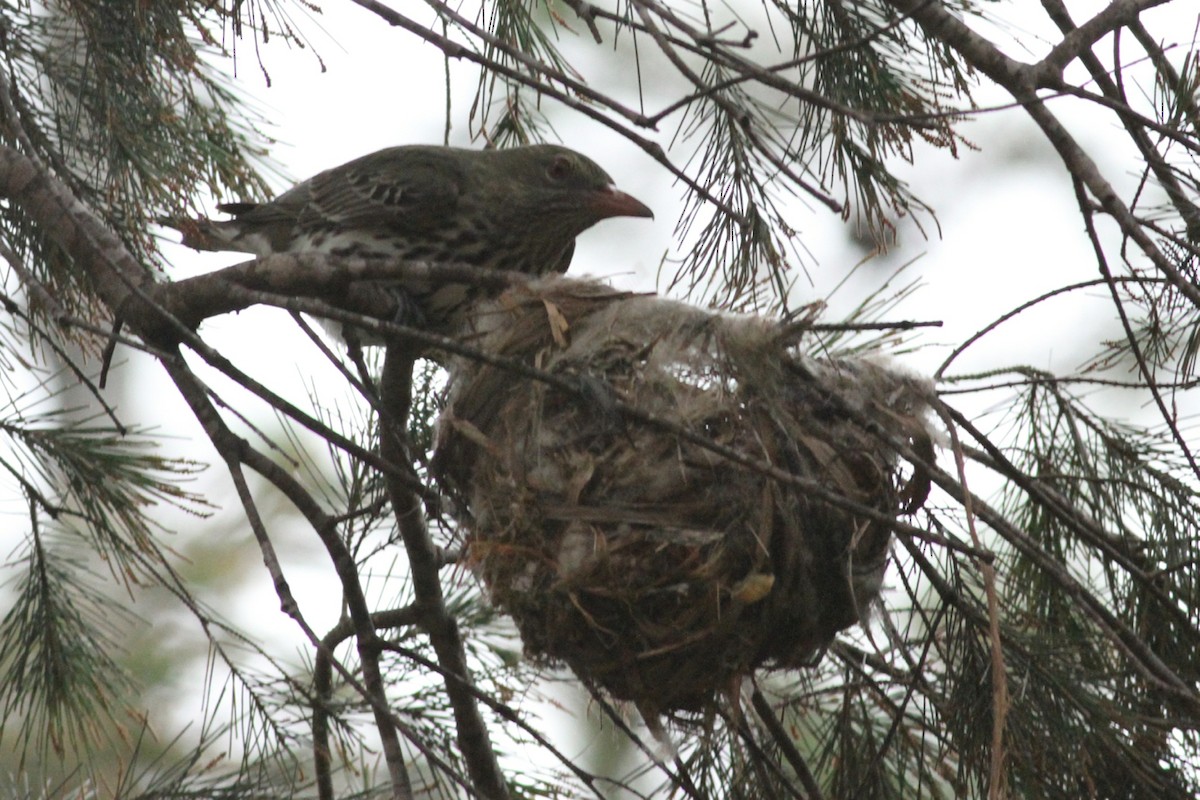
{"x":658,"y":568}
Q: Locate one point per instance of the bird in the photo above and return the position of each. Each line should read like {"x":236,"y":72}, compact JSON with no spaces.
{"x":516,"y":208}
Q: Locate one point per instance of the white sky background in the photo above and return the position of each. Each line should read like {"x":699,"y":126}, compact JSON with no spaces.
{"x":1009,"y":230}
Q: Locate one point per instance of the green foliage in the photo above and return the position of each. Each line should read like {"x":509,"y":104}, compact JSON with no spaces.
{"x":106,"y":477}
{"x":59,"y":644}
{"x":121,"y":101}
{"x":60,"y":683}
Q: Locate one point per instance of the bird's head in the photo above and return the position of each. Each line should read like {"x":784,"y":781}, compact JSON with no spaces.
{"x":564,"y":189}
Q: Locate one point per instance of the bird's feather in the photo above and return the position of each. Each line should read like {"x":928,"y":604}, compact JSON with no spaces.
{"x":517,"y":209}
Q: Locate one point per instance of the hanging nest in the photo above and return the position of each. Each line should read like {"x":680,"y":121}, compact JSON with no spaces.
{"x":656,"y":567}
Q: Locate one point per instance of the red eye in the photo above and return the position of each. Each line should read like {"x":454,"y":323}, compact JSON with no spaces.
{"x":559,"y":169}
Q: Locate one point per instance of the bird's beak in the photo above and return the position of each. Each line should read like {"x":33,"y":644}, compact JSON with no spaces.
{"x":612,"y":202}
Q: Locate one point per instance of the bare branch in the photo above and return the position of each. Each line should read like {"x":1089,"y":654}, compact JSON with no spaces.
{"x":1020,"y":81}
{"x":395,"y":388}
{"x":1078,"y":41}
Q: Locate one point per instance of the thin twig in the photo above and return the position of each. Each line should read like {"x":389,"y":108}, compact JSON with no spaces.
{"x":786,"y":746}
{"x":323,"y":688}
{"x":1144,"y":659}
{"x":236,"y":452}
{"x":1028,"y":304}
{"x":1115,"y":15}
{"x":1147,"y":374}
{"x":508,"y":714}
{"x":998,"y":778}
{"x":395,"y":394}
{"x":1021,"y":81}
{"x":736,"y":115}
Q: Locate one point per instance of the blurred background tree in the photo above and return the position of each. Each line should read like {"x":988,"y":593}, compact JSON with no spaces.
{"x":1039,"y":640}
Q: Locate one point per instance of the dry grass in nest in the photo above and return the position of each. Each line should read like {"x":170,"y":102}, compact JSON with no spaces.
{"x":655,"y":567}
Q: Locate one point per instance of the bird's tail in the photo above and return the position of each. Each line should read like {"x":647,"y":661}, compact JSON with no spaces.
{"x":206,"y":234}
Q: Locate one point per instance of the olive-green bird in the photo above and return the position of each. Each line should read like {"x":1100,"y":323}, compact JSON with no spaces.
{"x":516,"y":209}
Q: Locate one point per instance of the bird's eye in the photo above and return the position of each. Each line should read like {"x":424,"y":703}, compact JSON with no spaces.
{"x":560,"y":168}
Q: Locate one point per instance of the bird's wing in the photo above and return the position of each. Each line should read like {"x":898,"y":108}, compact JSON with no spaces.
{"x":564,"y":261}
{"x":403,"y":190}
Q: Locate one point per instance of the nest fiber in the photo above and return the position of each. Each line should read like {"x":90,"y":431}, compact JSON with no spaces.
{"x":668,"y":519}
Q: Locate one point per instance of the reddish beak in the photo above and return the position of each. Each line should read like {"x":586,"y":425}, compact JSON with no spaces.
{"x":612,"y":202}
